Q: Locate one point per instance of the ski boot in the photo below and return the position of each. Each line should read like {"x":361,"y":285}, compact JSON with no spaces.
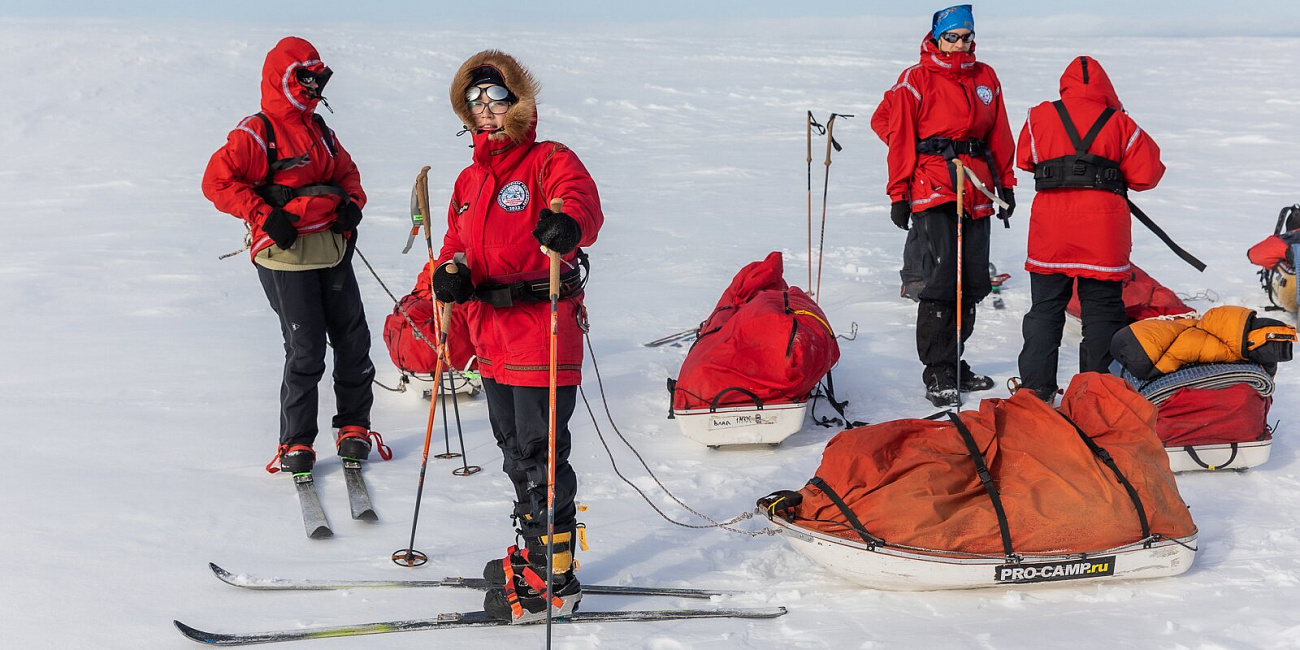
{"x":1048,"y":395}
{"x":518,"y":581}
{"x":971,"y":382}
{"x":293,"y":459}
{"x":353,"y":443}
{"x":941,"y":387}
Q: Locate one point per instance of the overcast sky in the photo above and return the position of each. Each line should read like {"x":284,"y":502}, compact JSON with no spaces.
{"x":1190,"y":17}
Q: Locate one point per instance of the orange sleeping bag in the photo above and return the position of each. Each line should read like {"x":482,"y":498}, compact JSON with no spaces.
{"x":915,"y":482}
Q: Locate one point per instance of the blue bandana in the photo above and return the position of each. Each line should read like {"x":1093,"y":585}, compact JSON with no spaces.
{"x":954,"y":17}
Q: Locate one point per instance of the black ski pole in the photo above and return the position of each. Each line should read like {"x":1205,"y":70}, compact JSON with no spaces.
{"x":821,"y":244}
{"x":465,"y":469}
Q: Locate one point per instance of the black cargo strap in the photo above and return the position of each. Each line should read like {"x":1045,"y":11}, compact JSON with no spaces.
{"x":1227,"y":464}
{"x":1128,"y":487}
{"x":1178,"y":250}
{"x":871,"y":540}
{"x":827,"y":390}
{"x":500,"y":295}
{"x":1081,"y":170}
{"x":982,"y":469}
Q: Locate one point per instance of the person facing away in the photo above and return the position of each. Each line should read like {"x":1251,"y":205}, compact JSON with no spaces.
{"x":286,"y":175}
{"x":1085,"y":153}
{"x":948,"y":106}
{"x":490,"y":258}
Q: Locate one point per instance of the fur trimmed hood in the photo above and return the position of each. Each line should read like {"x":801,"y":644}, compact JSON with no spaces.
{"x":522,"y":116}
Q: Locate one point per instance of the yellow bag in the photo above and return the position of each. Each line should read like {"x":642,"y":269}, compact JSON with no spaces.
{"x":317,"y":250}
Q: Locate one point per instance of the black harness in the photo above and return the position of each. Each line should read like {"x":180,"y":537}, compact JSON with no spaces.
{"x":505,"y":294}
{"x":1080,"y":170}
{"x":280,"y":195}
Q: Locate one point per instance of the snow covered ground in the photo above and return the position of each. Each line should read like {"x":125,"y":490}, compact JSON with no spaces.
{"x":140,"y":373}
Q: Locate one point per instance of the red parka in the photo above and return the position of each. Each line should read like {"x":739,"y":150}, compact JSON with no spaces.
{"x":241,"y":165}
{"x":1085,"y":232}
{"x":946,"y":95}
{"x":494,"y":209}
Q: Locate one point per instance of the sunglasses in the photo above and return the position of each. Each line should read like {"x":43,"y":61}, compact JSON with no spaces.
{"x":953,"y":37}
{"x":498,"y":107}
{"x":494,"y":93}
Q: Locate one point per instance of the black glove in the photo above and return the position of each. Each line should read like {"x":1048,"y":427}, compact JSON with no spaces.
{"x":452,"y":287}
{"x":900,"y":212}
{"x":781,"y":503}
{"x":279,"y":227}
{"x":1010,"y":197}
{"x":346,"y":217}
{"x":557,"y":231}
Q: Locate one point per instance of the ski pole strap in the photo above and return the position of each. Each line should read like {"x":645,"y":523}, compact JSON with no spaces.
{"x":982,"y":469}
{"x":1106,"y":459}
{"x":871,"y":540}
{"x":1151,"y":225}
{"x":1191,"y":451}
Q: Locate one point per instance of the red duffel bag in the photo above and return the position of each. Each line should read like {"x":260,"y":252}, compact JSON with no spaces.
{"x":765,"y":343}
{"x":1212,"y":416}
{"x":416,"y":355}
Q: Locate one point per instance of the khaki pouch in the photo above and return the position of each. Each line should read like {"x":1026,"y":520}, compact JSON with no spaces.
{"x":317,"y":250}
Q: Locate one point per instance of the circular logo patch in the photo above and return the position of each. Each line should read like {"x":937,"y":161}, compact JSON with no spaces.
{"x":984,"y":93}
{"x":513,"y":197}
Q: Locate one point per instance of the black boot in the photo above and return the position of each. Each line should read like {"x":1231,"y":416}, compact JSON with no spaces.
{"x":293,"y":459}
{"x":353,"y":443}
{"x":941,"y":386}
{"x":519,"y":581}
{"x":971,"y":382}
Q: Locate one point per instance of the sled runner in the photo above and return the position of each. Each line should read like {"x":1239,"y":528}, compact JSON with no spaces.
{"x":1015,"y":492}
{"x":749,"y":375}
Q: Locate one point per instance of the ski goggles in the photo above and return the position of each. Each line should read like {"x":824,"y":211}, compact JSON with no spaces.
{"x":494,"y":93}
{"x":307,"y":77}
{"x":953,"y":37}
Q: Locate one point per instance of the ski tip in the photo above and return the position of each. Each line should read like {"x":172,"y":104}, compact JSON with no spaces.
{"x":222,"y":574}
{"x":194,"y":634}
{"x":368,"y":515}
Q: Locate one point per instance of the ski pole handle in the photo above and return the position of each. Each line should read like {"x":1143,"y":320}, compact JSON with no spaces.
{"x":557,"y":205}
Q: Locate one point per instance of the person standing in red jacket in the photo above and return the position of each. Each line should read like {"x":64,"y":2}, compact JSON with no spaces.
{"x":285,"y":174}
{"x":1085,"y":153}
{"x":948,"y":106}
{"x":491,"y":258}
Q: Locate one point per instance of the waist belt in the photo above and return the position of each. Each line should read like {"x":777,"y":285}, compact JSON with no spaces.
{"x":279,"y":196}
{"x":949,"y":148}
{"x":535,"y":289}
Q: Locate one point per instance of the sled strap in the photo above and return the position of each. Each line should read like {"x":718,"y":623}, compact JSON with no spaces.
{"x":1178,"y":250}
{"x":986,"y":478}
{"x":1128,"y":487}
{"x":828,"y":392}
{"x":871,"y":540}
{"x":1191,"y":451}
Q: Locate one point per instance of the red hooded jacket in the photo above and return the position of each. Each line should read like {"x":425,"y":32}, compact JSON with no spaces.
{"x":241,"y":165}
{"x":494,"y":209}
{"x":948,"y":95}
{"x":1084,"y":232}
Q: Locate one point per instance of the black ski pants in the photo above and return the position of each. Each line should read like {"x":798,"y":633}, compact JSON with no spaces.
{"x":936,"y":315}
{"x":520,"y":418}
{"x":1101,"y":308}
{"x":918,"y":262}
{"x":313,"y":306}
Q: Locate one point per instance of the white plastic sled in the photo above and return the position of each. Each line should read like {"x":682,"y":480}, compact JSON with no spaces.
{"x":912,"y":569}
{"x":758,"y":424}
{"x":1236,"y":455}
{"x":457,"y":382}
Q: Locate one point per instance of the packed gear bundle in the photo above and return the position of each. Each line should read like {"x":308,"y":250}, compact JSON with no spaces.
{"x":1144,"y":298}
{"x":1211,"y":380}
{"x":1014,"y":492}
{"x":410,"y":333}
{"x":749,"y":375}
{"x":1276,"y":256}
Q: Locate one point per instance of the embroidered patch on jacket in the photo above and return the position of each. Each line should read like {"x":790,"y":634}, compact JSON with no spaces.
{"x":513,"y":197}
{"x":984,"y":93}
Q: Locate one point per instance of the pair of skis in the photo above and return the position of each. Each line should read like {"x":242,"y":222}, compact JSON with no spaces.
{"x":455,"y":619}
{"x":313,"y":514}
